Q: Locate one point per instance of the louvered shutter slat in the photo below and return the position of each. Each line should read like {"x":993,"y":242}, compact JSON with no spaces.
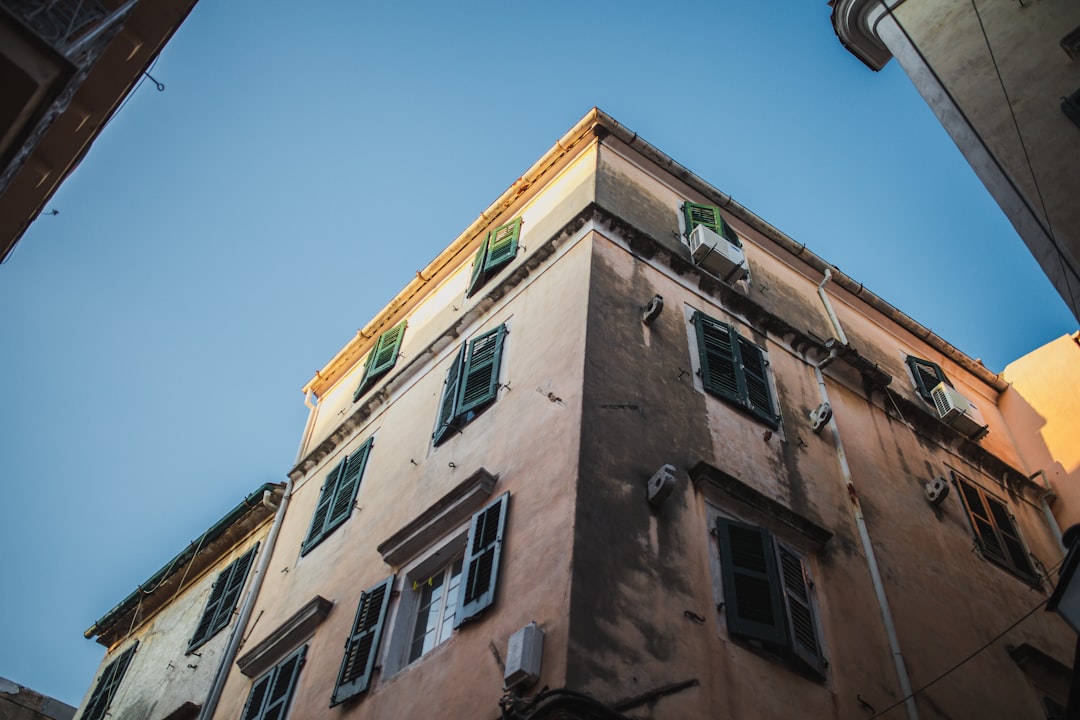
{"x":107,"y":685}
{"x":448,"y":413}
{"x":322,"y":508}
{"x":363,"y":644}
{"x":382,"y":358}
{"x":758,"y":394}
{"x":480,"y":378}
{"x":1010,"y":538}
{"x":348,"y":485}
{"x":237,"y":577}
{"x":502,"y":247}
{"x":717,"y":357}
{"x":477,"y":277}
{"x":800,"y":613}
{"x":752,"y":594}
{"x":281,"y":686}
{"x":206,"y":623}
{"x":480,"y":569}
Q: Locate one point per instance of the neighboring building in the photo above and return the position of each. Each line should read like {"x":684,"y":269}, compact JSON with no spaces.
{"x":623,"y":411}
{"x":65,"y":67}
{"x":166,"y":639}
{"x":22,"y":703}
{"x":1043,"y":406}
{"x":1003,"y":77}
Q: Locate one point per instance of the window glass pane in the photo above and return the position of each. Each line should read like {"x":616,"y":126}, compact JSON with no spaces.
{"x":436,"y":607}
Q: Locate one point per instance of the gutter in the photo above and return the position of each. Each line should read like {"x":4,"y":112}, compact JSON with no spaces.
{"x":218,"y":529}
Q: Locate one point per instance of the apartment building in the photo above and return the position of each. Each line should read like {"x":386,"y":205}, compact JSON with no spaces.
{"x":625,"y":450}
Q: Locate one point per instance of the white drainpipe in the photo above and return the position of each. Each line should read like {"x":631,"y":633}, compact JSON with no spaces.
{"x":871,"y":558}
{"x":208,"y":708}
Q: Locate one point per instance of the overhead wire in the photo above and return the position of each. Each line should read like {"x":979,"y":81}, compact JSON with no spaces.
{"x":967,"y":658}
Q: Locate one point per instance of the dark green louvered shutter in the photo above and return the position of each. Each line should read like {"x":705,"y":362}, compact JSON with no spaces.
{"x":348,"y":484}
{"x":480,"y":377}
{"x":337,"y":496}
{"x":708,"y":215}
{"x":107,"y":684}
{"x":502,"y":245}
{"x":257,"y":697}
{"x":981,"y":522}
{"x":223,"y":599}
{"x":800,"y":612}
{"x":995,"y":529}
{"x":476,"y":279}
{"x":270,"y":695}
{"x":381,"y":358}
{"x":753,"y":601}
{"x":755,"y":383}
{"x":719,"y":364}
{"x":322,"y":508}
{"x":363,"y":643}
{"x":927,"y":376}
{"x":448,"y":413}
{"x":1015,"y":550}
{"x":480,"y":570}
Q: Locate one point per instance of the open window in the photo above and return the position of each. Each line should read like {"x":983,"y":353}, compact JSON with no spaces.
{"x":498,"y":249}
{"x":381,"y":358}
{"x":995,"y":529}
{"x":472,"y":382}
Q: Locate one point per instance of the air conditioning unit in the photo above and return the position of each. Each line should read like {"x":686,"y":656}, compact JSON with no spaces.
{"x":958,"y":411}
{"x":716,"y":255}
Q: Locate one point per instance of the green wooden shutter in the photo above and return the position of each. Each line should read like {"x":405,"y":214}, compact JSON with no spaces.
{"x":707,"y":215}
{"x":381,"y":358}
{"x":322,"y":508}
{"x":719,"y":365}
{"x":448,"y":413}
{"x":257,"y":697}
{"x":758,"y":395}
{"x":481,"y":565}
{"x":223,"y":598}
{"x":800,"y":612}
{"x":107,"y":684}
{"x":270,"y":695}
{"x":348,"y":485}
{"x":1015,"y":550}
{"x":480,"y":378}
{"x":205,"y":628}
{"x":362,"y":645}
{"x":981,"y":522}
{"x":502,"y":246}
{"x":927,"y":376}
{"x":477,"y":278}
{"x":753,"y":602}
{"x":234,"y":585}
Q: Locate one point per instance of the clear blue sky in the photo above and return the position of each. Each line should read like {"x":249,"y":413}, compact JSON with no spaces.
{"x":224,"y":238}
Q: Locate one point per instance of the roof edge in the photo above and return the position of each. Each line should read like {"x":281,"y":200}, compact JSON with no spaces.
{"x":251,"y":502}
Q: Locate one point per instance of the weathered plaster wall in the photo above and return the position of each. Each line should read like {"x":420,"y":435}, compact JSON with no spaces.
{"x":528,"y":437}
{"x":638,"y":572}
{"x":161,"y":675}
{"x":1043,"y":409}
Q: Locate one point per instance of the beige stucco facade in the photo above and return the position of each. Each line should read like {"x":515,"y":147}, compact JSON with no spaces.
{"x":642,"y":611}
{"x":995,"y":74}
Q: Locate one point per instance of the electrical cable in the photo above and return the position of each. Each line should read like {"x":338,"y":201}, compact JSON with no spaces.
{"x":968,"y":657}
